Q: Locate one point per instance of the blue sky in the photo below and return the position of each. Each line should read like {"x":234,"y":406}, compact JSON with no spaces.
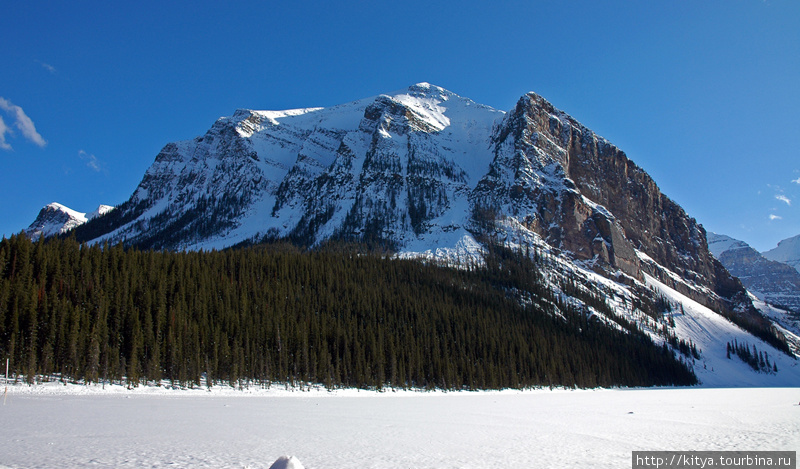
{"x":702,"y":94}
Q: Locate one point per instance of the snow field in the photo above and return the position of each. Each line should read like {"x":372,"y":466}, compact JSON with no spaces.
{"x":528,"y":429}
{"x":711,"y":332}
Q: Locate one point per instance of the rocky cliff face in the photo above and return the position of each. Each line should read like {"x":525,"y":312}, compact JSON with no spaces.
{"x":540,"y":174}
{"x":583,"y":195}
{"x":422,"y":170}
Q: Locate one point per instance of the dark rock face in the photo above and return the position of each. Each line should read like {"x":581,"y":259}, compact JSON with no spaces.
{"x":560,"y":179}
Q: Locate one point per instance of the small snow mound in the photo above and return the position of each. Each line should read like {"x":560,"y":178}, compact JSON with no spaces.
{"x":287,"y":462}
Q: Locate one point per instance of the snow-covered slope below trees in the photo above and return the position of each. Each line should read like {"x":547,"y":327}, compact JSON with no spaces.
{"x":697,"y":334}
{"x":711,"y":334}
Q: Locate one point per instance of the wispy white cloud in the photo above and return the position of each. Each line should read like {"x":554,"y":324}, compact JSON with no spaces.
{"x":783,"y":198}
{"x":47,"y":67}
{"x":3,"y":131}
{"x":772,"y":216}
{"x":796,"y":181}
{"x":22,"y":122}
{"x":91,"y":161}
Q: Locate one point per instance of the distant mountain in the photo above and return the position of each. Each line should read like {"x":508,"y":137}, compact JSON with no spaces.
{"x":55,"y":219}
{"x":787,"y":251}
{"x":425,"y":173}
{"x":774,"y":282}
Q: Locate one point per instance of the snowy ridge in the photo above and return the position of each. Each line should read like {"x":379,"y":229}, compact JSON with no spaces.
{"x":101,"y":210}
{"x":306,"y":165}
{"x":787,"y":251}
{"x":718,"y":244}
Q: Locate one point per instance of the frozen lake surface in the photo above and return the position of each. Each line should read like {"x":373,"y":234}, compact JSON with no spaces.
{"x":46,"y":427}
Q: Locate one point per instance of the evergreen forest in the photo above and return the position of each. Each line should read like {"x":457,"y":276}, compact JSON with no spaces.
{"x":336,"y":316}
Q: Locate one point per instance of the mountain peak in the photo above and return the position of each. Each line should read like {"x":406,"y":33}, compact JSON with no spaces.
{"x":55,"y":218}
{"x":100,"y":211}
{"x":719,"y":243}
{"x":57,"y":207}
{"x":424,"y":86}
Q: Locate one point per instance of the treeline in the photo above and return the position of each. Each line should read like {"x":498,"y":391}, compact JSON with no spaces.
{"x":275,"y":313}
{"x":758,"y":361}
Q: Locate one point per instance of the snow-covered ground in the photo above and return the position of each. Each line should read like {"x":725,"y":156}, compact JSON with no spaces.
{"x":79,"y":426}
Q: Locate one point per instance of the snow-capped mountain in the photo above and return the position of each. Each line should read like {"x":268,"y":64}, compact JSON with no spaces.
{"x":55,"y":219}
{"x":431,"y":174}
{"x":397,"y":167}
{"x":787,"y":251}
{"x":775,"y":285}
{"x":422,"y":170}
{"x":774,"y":282}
